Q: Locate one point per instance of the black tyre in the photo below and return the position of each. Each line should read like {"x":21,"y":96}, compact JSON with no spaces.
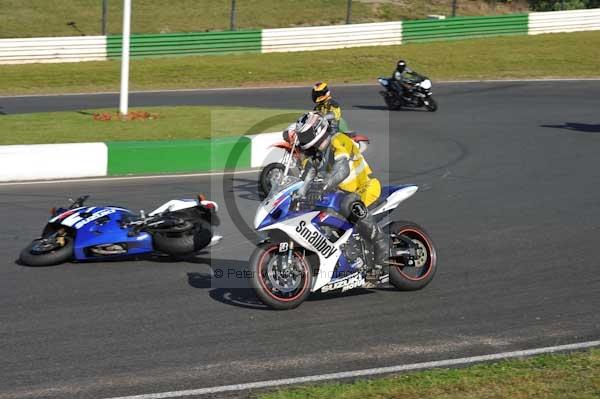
{"x":271,"y":172}
{"x":42,"y":252}
{"x":430,"y":104}
{"x":183,"y":243}
{"x":391,"y":102}
{"x":417,"y":276}
{"x":274,"y":287}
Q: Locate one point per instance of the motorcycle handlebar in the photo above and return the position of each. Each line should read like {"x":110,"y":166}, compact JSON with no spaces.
{"x":78,"y":202}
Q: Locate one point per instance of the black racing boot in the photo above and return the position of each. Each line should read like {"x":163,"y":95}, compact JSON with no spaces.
{"x":381,"y":246}
{"x":371,"y":231}
{"x":375,"y":277}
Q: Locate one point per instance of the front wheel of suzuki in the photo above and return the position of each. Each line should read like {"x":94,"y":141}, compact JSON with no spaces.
{"x":47,"y":251}
{"x":277,"y":283}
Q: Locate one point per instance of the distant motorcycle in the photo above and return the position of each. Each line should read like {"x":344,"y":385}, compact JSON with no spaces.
{"x":292,"y":161}
{"x":81,"y":233}
{"x":418,"y":96}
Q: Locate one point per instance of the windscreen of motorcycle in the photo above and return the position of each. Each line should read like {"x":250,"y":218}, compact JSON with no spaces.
{"x":426,"y":84}
{"x":277,"y":195}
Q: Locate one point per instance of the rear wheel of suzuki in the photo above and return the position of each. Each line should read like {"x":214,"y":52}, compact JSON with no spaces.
{"x":404,"y":276}
{"x":430,"y":104}
{"x":276,"y":285}
{"x":270,"y":173}
{"x":47,"y":252}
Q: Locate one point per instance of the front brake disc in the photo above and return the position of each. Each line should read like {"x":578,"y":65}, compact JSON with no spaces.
{"x":283,"y":281}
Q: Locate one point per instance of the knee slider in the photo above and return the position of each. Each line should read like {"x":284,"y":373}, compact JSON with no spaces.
{"x":355,"y":209}
{"x":358,"y":211}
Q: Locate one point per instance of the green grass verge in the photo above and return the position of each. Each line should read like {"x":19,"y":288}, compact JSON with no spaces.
{"x":553,"y":55}
{"x":173,"y":123}
{"x":548,"y":377}
{"x":33,"y":18}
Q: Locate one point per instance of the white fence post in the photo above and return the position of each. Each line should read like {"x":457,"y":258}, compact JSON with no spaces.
{"x":124,"y":103}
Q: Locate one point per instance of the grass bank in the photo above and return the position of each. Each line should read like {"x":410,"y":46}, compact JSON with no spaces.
{"x":33,"y":18}
{"x":553,"y":55}
{"x":167,"y":123}
{"x":545,"y":377}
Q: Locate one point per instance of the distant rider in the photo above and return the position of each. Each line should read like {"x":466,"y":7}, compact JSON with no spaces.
{"x":335,"y":158}
{"x":401,"y":78}
{"x":325,"y":104}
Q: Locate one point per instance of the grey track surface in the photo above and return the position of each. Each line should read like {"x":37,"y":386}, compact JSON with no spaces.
{"x":510,"y":186}
{"x":295,"y":97}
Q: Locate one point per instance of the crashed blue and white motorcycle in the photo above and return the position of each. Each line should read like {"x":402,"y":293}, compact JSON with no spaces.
{"x":82,"y":233}
{"x":311,"y":247}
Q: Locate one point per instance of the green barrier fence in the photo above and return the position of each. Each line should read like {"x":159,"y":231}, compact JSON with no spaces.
{"x":205,"y":43}
{"x":187,"y":43}
{"x":464,"y":28}
{"x":251,"y":41}
{"x":180,"y":156}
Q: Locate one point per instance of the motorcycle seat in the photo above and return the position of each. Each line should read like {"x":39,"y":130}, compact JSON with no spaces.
{"x":386,"y":191}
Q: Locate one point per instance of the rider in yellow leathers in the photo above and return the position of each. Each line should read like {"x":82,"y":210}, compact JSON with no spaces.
{"x":325,"y":104}
{"x":336,"y":158}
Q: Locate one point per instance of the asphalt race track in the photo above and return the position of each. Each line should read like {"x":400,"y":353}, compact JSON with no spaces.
{"x":510,"y":192}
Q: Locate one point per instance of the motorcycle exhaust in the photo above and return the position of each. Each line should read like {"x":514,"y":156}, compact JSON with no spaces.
{"x":110,"y":249}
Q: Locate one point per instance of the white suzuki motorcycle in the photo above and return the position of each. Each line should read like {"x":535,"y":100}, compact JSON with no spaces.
{"x":314,"y":248}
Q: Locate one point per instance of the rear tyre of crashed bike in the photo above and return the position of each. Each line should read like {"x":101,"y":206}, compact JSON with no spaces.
{"x":177,"y":243}
{"x":42,"y":252}
{"x":412,"y":277}
{"x":267,"y":175}
{"x":272,"y":285}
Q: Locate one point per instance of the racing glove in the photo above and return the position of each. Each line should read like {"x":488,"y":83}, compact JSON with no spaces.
{"x":315,"y":194}
{"x":309,"y":175}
